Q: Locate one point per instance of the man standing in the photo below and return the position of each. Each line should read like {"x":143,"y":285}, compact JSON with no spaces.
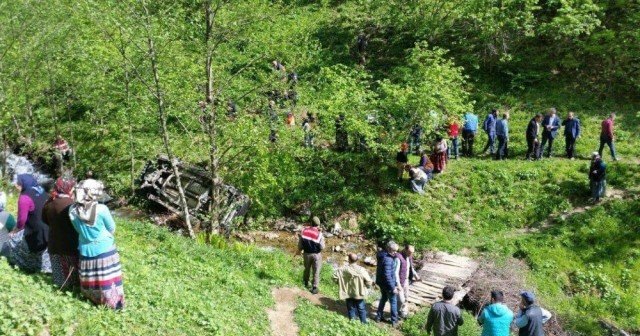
{"x":407,"y":274}
{"x":489,"y":127}
{"x":533,"y":147}
{"x":469,"y":130}
{"x":496,"y":318}
{"x":386,"y":280}
{"x":444,"y":318}
{"x":606,"y":136}
{"x":550,"y":126}
{"x":311,"y":242}
{"x":354,"y":282}
{"x":531,"y":318}
{"x":402,"y":159}
{"x":571,"y":134}
{"x":502,"y":132}
{"x":415,"y":138}
{"x":597,"y":177}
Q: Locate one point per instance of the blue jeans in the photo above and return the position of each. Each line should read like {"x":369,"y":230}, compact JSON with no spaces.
{"x":453,"y":150}
{"x":491,"y":140}
{"x":357,"y":308}
{"x":417,"y":185}
{"x":605,"y":140}
{"x":388,"y":295}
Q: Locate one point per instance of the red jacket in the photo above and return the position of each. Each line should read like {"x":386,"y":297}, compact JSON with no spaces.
{"x":453,"y":130}
{"x":607,"y":128}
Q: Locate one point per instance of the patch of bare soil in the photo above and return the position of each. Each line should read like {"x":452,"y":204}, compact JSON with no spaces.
{"x":509,"y":278}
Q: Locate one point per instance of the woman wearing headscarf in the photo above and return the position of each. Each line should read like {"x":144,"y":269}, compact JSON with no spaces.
{"x":30,"y":236}
{"x":7,"y":223}
{"x":439,"y":156}
{"x":100,"y":271}
{"x":63,"y":239}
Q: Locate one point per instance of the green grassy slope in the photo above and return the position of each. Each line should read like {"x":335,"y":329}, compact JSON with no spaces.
{"x":173,"y":286}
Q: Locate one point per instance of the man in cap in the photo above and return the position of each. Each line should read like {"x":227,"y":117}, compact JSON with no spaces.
{"x":531,"y":318}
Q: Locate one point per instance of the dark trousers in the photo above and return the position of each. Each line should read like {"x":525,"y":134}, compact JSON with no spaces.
{"x":467,"y":142}
{"x":570,"y":144}
{"x":414,"y":144}
{"x":533,"y":149}
{"x":357,"y":308}
{"x":547,"y":138}
{"x":502,"y":152}
{"x":605,"y":140}
{"x":491,"y":140}
{"x":388,"y":295}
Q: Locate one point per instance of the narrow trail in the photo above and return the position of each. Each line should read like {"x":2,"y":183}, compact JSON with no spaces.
{"x":281,"y":316}
{"x":611,"y":194}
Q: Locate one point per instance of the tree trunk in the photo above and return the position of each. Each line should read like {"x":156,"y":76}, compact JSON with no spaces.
{"x":210,"y":97}
{"x":162,"y":116}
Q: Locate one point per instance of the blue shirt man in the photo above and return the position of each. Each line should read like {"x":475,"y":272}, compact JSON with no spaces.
{"x":496,"y":318}
{"x":571,"y":133}
{"x":469,"y":129}
{"x":489,"y":127}
{"x":502,"y":133}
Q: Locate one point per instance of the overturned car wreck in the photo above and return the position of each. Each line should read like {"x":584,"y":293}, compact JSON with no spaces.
{"x":158,"y":184}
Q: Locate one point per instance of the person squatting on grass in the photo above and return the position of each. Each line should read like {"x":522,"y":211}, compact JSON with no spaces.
{"x":444,"y":318}
{"x":311,"y":243}
{"x":100,"y":270}
{"x":418,"y":179}
{"x":386,"y":280}
{"x":597,"y":177}
{"x":354,"y":283}
{"x":496,"y":318}
{"x":531,"y":318}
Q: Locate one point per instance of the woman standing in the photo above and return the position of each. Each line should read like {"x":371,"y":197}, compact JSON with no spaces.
{"x":63,"y":239}
{"x":30,"y":236}
{"x":100,"y":271}
{"x":7,"y":223}
{"x":439,"y":155}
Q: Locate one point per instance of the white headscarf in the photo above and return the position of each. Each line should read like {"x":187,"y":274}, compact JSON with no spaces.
{"x":3,"y":200}
{"x":87,"y":193}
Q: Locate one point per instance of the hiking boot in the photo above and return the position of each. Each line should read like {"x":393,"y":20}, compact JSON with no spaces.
{"x":315,"y":290}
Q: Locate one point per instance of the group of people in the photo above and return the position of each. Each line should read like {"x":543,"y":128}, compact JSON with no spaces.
{"x":395,"y":271}
{"x":539,"y":144}
{"x":431,"y":162}
{"x":66,"y":233}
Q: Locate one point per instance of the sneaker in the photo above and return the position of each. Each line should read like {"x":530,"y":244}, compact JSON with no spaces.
{"x":315,"y":290}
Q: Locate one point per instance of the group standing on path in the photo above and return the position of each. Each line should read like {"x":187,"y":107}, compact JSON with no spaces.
{"x":65,"y":233}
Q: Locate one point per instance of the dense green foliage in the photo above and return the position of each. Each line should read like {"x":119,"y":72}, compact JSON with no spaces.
{"x":82,"y":69}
